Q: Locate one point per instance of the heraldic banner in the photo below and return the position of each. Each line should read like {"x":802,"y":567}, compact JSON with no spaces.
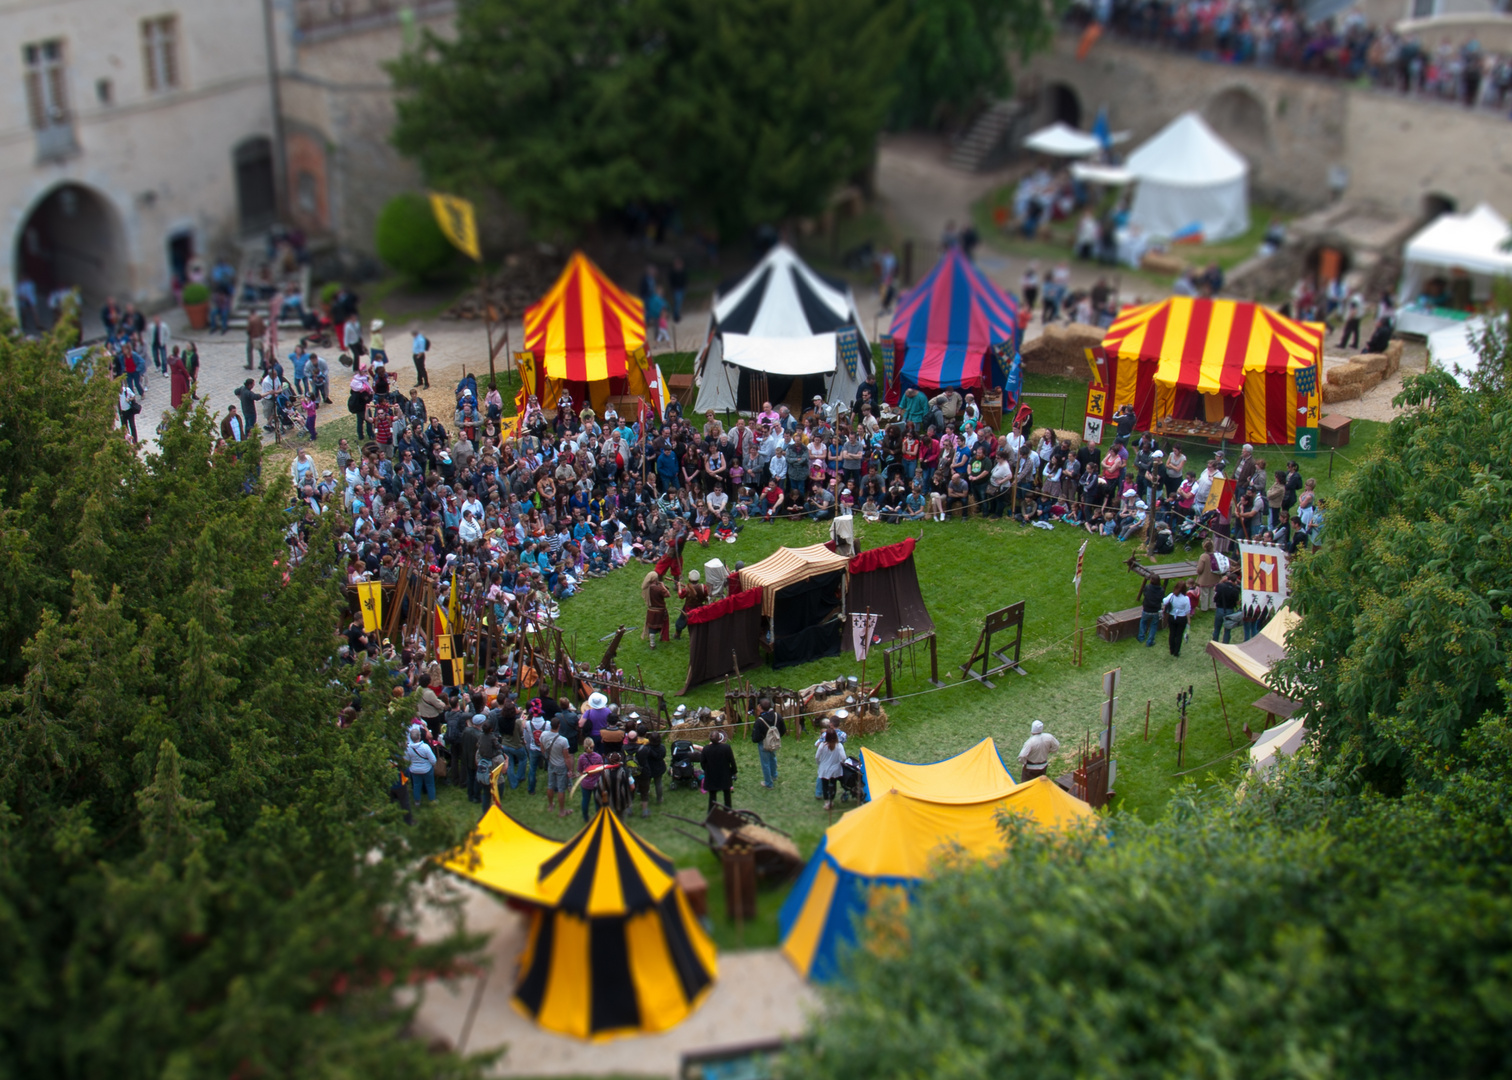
{"x":1263,"y":574}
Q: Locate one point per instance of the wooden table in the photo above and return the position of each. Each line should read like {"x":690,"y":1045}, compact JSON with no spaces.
{"x":1333,"y":430}
{"x":681,"y":389}
{"x":1161,"y":572}
{"x":1195,"y":429}
{"x":1273,"y":705}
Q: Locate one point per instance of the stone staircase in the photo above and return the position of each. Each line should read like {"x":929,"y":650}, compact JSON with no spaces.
{"x":255,"y":270}
{"x":977,"y":147}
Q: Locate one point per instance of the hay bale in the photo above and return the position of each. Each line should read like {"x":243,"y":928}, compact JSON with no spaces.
{"x":1350,"y":374}
{"x":1159,"y":262}
{"x":1371,"y":362}
{"x":1332,"y":392}
{"x":1393,"y":357}
{"x":1372,"y":380}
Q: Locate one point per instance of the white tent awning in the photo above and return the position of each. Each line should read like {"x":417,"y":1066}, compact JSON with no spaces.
{"x":813,"y":355}
{"x":1471,"y":242}
{"x":1062,"y":140}
{"x":1110,"y":175}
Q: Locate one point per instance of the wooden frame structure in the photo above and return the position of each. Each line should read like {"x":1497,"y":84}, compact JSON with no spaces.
{"x":997,"y":622}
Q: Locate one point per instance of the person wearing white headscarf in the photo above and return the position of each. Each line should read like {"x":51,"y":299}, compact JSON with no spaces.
{"x":1038,"y":749}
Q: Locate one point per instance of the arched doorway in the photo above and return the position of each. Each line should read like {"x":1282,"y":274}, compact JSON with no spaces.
{"x":256,"y":196}
{"x":1064,"y":104}
{"x":1436,"y":204}
{"x":1238,"y":116}
{"x":73,"y":239}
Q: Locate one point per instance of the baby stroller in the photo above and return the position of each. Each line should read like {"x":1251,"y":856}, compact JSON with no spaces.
{"x":850,"y":781}
{"x":685,"y":760}
{"x":1191,"y":530}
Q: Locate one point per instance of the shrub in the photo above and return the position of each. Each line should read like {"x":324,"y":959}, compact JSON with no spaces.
{"x":196,"y":293}
{"x":328,"y":292}
{"x":409,"y":240}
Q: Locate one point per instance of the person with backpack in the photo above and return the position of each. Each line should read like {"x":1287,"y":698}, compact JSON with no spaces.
{"x":1208,"y":575}
{"x":422,"y":765}
{"x":556,"y":749}
{"x":767,"y":732}
{"x":536,"y":727}
{"x":652,"y":758}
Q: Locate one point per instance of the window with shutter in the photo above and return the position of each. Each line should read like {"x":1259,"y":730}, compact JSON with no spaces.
{"x":160,"y":53}
{"x":46,"y":84}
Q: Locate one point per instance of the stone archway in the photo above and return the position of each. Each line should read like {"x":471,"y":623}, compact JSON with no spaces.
{"x":73,"y":238}
{"x":1063,"y":103}
{"x":1239,"y":117}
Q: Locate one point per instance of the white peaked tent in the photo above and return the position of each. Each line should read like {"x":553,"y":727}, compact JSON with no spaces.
{"x":779,"y":320}
{"x":1188,"y":176}
{"x":1468,"y":243}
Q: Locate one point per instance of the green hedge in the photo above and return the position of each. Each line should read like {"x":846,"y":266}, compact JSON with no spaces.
{"x":410,"y":242}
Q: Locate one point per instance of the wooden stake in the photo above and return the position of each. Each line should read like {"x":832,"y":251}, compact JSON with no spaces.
{"x":1227,"y":726}
{"x":1148,"y":703}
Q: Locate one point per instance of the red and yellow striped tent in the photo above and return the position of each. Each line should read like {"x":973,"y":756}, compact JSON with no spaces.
{"x":587,"y":337}
{"x":1195,"y":359}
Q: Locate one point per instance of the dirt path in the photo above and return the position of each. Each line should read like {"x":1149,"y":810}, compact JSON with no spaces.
{"x":758,"y":998}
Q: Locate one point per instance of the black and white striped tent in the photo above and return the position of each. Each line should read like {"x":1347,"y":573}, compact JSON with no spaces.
{"x":781,"y":321}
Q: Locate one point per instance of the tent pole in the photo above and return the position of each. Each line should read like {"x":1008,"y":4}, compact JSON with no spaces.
{"x":1229,"y":727}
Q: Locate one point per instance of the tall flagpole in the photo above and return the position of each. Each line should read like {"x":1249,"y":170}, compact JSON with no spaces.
{"x":1080,"y":557}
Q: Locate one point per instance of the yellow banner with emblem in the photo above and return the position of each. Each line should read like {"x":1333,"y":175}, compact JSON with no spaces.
{"x":459,"y":222}
{"x":370,"y":596}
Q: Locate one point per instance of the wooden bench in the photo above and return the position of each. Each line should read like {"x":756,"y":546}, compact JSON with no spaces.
{"x":1117,"y":625}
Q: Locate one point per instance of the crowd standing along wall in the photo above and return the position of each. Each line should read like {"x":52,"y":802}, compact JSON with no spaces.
{"x":1299,"y":134}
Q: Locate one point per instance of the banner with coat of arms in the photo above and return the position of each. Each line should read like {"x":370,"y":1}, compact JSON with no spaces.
{"x":1263,"y":574}
{"x":889,"y":359}
{"x":848,"y":344}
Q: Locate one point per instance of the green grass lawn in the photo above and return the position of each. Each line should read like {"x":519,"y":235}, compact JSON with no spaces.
{"x":966,"y":569}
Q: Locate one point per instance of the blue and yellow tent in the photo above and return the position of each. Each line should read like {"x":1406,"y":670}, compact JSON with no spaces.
{"x":884,"y":848}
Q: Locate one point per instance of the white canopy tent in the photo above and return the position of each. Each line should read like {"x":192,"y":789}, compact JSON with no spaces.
{"x":1465,"y":243}
{"x":1450,"y":348}
{"x":780,"y":320}
{"x":1063,"y":140}
{"x":1188,"y":177}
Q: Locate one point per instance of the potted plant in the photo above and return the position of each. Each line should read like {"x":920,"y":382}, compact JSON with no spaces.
{"x":196,"y":299}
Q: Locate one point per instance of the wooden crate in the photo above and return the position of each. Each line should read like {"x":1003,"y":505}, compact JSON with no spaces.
{"x":1333,"y":430}
{"x":1117,"y":625}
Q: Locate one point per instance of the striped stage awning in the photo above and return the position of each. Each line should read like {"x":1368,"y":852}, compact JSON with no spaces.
{"x":1210,"y":346}
{"x":586,"y":327}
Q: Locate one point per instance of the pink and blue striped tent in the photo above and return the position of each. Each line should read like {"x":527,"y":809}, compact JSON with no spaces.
{"x":948,"y":326}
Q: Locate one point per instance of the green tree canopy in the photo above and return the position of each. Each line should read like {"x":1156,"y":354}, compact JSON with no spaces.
{"x":958,"y":55}
{"x":1407,"y":631}
{"x":410,"y":241}
{"x":200,"y":873}
{"x":749,"y":111}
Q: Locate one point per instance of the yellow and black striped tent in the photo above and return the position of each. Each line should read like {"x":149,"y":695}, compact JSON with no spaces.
{"x":615,"y":950}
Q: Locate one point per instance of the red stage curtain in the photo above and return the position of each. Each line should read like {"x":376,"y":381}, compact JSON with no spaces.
{"x":882,"y":558}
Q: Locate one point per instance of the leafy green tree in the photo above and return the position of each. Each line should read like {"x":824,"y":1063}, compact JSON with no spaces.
{"x":410,"y":241}
{"x":1406,"y":630}
{"x":1288,"y":935}
{"x":958,"y":55}
{"x":751,"y":110}
{"x":200,"y":873}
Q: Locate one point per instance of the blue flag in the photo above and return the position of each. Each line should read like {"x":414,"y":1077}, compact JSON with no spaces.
{"x":1307,"y":380}
{"x":1101,"y":132}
